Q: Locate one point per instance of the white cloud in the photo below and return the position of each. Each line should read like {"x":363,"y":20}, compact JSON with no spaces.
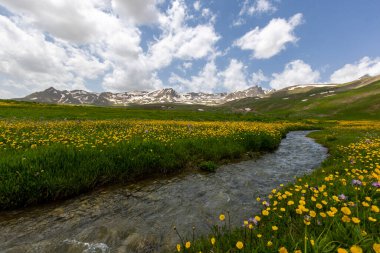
{"x":29,"y":62}
{"x":187,"y":65}
{"x":206,"y":80}
{"x":137,"y":11}
{"x":257,"y":78}
{"x":295,"y":72}
{"x":234,"y":77}
{"x":272,"y":39}
{"x":66,"y":43}
{"x":350,"y":72}
{"x":210,"y":79}
{"x":178,"y":41}
{"x":71,"y":20}
{"x":197,"y":5}
{"x":250,"y":8}
{"x":258,"y":6}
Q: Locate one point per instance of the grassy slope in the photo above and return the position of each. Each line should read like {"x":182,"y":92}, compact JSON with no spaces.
{"x":38,"y":111}
{"x":322,"y":234}
{"x":350,"y":101}
{"x":360,"y":103}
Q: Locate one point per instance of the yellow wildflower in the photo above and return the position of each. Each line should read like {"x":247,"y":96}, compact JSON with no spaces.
{"x":375,"y":209}
{"x":356,"y":249}
{"x":345,"y":218}
{"x":376,"y":247}
{"x":372,"y":219}
{"x":239,"y":245}
{"x":355,"y":220}
{"x":346,"y":210}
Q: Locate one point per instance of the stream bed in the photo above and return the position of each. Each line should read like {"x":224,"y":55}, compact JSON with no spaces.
{"x":140,"y":217}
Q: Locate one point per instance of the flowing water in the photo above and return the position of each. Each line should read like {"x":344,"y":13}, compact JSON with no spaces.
{"x":140,"y":217}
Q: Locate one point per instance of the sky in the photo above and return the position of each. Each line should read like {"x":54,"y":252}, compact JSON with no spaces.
{"x":201,"y":45}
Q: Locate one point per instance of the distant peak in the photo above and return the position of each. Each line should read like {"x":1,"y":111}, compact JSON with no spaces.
{"x":50,"y":89}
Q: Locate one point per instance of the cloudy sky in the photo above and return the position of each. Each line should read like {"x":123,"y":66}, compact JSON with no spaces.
{"x":203,"y":45}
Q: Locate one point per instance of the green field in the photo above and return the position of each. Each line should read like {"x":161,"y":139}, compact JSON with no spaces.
{"x":51,"y":152}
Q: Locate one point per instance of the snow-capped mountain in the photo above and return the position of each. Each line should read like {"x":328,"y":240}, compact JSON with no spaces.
{"x":167,"y":95}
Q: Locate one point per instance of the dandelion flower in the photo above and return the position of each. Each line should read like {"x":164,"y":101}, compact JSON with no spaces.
{"x":355,"y":220}
{"x":356,"y":249}
{"x":376,"y":247}
{"x":346,"y":210}
{"x":269,"y":243}
{"x":345,"y":218}
{"x":375,"y":209}
{"x":213,"y":240}
{"x":239,"y":245}
{"x":372,"y":219}
{"x":274,"y":228}
{"x":178,"y":247}
{"x":341,"y":250}
{"x":282,"y":250}
{"x":222,"y":217}
{"x":187,"y":245}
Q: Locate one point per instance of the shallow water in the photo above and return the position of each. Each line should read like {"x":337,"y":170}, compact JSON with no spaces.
{"x":140,"y":217}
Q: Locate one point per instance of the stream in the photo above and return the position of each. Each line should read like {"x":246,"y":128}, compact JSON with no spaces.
{"x":140,"y":217}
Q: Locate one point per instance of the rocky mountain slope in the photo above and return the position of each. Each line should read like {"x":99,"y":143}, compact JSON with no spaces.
{"x":167,"y":95}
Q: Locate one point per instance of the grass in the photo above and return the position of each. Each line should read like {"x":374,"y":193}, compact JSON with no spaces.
{"x":16,"y":110}
{"x":343,"y":104}
{"x":39,"y":165}
{"x":335,"y":209}
{"x":43,"y":161}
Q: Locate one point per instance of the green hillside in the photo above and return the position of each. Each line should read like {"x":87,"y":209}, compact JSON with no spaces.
{"x":348,"y":101}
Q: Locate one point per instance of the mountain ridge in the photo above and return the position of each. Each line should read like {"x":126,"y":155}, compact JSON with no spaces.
{"x":166,"y":95}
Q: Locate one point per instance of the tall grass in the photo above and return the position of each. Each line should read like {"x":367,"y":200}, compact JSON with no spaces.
{"x":335,"y":209}
{"x":57,"y":171}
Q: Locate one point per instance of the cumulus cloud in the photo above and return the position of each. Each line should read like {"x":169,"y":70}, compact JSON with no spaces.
{"x":258,"y":6}
{"x":206,"y":80}
{"x":234,"y":77}
{"x":270,"y":40}
{"x":137,"y":11}
{"x":295,"y":72}
{"x":258,"y":77}
{"x":29,"y":62}
{"x":211,"y":79}
{"x":350,"y":72}
{"x":250,"y":8}
{"x":71,"y":20}
{"x":67,"y":43}
{"x":197,"y":5}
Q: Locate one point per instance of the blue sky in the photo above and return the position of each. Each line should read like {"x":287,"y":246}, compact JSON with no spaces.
{"x":210,"y":46}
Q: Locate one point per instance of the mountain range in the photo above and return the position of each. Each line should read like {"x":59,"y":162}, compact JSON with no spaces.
{"x":167,"y":95}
